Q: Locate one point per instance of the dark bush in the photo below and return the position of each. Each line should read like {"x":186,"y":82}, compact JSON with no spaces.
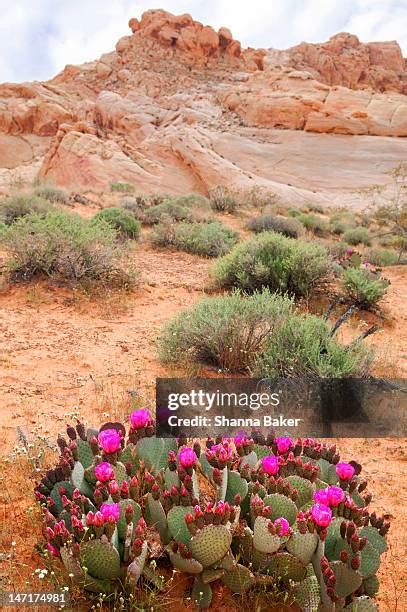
{"x":282,"y":225}
{"x":223,"y":199}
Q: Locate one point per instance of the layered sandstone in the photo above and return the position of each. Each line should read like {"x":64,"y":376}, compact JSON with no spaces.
{"x":177,"y":106}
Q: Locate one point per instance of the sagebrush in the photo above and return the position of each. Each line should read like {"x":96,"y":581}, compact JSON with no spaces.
{"x":275,"y":261}
{"x":66,"y":247}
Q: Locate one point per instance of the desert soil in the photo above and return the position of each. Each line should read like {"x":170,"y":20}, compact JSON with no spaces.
{"x":63,"y":352}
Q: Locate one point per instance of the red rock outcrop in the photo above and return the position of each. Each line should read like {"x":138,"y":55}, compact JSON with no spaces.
{"x":345,"y":61}
{"x":178,"y":106}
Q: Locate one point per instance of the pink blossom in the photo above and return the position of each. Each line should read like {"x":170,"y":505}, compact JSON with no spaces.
{"x":335,"y":496}
{"x":284,"y":444}
{"x":187,"y":457}
{"x":284,"y":526}
{"x":321,"y":497}
{"x":345,"y":471}
{"x":321,"y":514}
{"x":140,"y":418}
{"x":110,"y":512}
{"x":270,"y":465}
{"x":110,"y":440}
{"x":104,"y":471}
{"x":349,"y":251}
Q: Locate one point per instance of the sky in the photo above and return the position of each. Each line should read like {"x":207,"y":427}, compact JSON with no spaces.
{"x":39,"y":37}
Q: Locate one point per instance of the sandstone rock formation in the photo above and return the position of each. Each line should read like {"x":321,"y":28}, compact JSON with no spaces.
{"x":178,"y":106}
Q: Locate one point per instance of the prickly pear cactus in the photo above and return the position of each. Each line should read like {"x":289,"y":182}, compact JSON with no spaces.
{"x":272,"y":512}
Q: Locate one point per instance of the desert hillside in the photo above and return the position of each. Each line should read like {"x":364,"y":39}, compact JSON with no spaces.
{"x":179,"y":107}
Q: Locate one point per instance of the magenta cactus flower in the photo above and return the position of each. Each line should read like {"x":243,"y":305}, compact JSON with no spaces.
{"x":321,"y":514}
{"x":54,"y":551}
{"x":140,"y":418}
{"x":110,"y":440}
{"x":104,"y":471}
{"x":345,"y":471}
{"x":110,"y":512}
{"x":335,"y":496}
{"x":284,"y":526}
{"x":187,"y":457}
{"x":284,"y":444}
{"x":270,"y":464}
{"x":321,"y":497}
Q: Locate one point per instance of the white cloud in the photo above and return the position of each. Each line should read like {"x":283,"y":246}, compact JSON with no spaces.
{"x":37,"y":39}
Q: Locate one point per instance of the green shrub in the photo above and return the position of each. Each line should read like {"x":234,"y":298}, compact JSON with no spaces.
{"x":303,"y":346}
{"x":67,"y":247}
{"x":314,"y":224}
{"x":294,"y":212}
{"x":363,"y":286}
{"x":174,"y":211}
{"x":223,"y":199}
{"x":121,"y":187}
{"x":275,"y":261}
{"x":357,"y":235}
{"x":226,"y":331}
{"x":192,"y":200}
{"x":52,"y":194}
{"x":281,"y":225}
{"x":208,"y":239}
{"x":121,"y":220}
{"x":18,"y":206}
{"x":383,"y":257}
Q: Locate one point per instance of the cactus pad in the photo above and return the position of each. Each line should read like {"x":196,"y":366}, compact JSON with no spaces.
{"x":239,"y":579}
{"x":55,"y":492}
{"x":154,"y":452}
{"x":158,"y":518}
{"x":302,"y":546}
{"x":211,"y":544}
{"x":307,"y":594}
{"x":281,"y":506}
{"x":201,"y":594}
{"x":263,"y":540}
{"x":286,"y":566}
{"x":100,"y":559}
{"x":120,"y":473}
{"x":370,"y":561}
{"x":177,"y":525}
{"x":189,"y":566}
{"x":84,"y":452}
{"x":304,"y":488}
{"x":128,"y":454}
{"x":374,"y":537}
{"x":171,"y":478}
{"x":78,"y":480}
{"x":236,"y":485}
{"x":347,"y":580}
{"x":251,"y":459}
{"x":121,"y":523}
